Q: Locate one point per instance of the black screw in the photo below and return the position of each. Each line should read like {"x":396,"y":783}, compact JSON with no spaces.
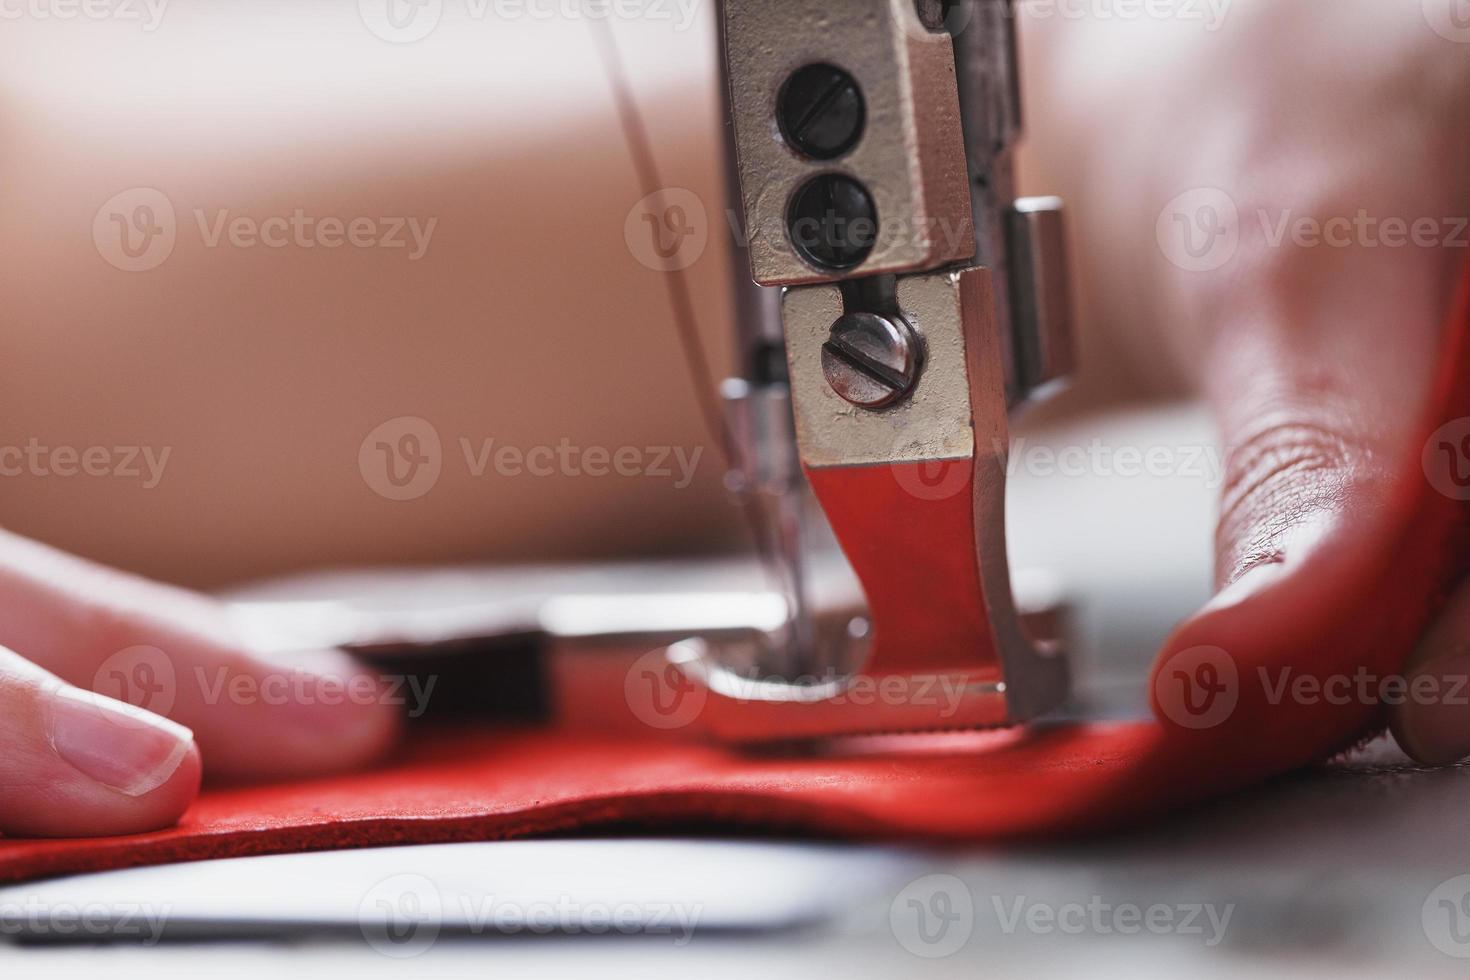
{"x":832,"y":222}
{"x":820,"y":109}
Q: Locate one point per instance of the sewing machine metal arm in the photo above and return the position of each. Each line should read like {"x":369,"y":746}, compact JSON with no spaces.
{"x":921,"y":303}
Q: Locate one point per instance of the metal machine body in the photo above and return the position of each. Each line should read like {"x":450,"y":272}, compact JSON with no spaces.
{"x":919,"y":304}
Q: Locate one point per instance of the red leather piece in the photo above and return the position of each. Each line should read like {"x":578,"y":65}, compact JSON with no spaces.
{"x":483,"y":784}
{"x":480,"y":785}
{"x":917,"y":555}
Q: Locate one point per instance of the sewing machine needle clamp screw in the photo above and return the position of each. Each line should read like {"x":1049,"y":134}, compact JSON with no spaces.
{"x":871,"y":360}
{"x":820,"y":110}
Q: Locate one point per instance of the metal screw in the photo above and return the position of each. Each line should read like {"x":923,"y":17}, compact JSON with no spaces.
{"x":820,"y":109}
{"x":871,"y":360}
{"x":832,"y":222}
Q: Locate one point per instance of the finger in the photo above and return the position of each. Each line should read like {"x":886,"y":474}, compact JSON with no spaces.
{"x":174,"y":653}
{"x":1432,"y":720}
{"x":79,"y":765}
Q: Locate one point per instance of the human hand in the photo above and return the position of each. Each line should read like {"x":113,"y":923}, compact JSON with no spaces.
{"x":78,"y":764}
{"x":1276,"y":208}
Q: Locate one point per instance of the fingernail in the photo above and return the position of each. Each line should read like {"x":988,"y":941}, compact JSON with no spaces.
{"x":1436,"y":716}
{"x":126,"y":748}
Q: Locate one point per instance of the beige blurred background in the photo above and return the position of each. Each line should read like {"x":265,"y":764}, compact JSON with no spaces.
{"x":261,"y":371}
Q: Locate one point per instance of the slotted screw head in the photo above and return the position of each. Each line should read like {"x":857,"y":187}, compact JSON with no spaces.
{"x":821,"y":112}
{"x":871,"y":360}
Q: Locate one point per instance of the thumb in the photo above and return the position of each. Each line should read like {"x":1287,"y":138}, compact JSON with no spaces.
{"x":1331,"y":548}
{"x":76,"y":764}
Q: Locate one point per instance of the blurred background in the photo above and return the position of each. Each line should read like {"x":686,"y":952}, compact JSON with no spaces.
{"x":244,"y":241}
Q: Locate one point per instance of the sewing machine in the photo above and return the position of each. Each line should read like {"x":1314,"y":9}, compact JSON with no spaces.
{"x":896,"y":303}
{"x":904,"y":301}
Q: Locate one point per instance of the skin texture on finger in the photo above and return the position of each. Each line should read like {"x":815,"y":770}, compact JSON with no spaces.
{"x":78,"y":765}
{"x":173,"y":653}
